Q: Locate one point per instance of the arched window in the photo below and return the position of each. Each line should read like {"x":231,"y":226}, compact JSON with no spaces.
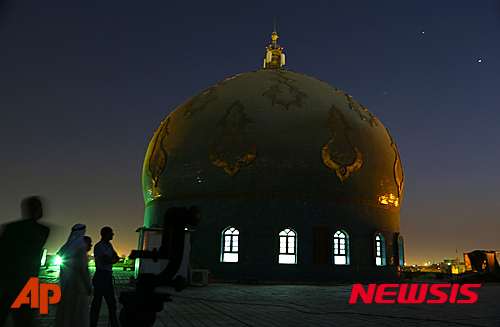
{"x":229,"y":250}
{"x":341,"y":255}
{"x":401,"y":251}
{"x":380,"y":250}
{"x":288,"y":246}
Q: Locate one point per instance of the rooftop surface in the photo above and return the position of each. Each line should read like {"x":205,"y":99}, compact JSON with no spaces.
{"x":296,"y":305}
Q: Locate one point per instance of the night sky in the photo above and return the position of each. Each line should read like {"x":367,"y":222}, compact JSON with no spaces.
{"x":85,"y":84}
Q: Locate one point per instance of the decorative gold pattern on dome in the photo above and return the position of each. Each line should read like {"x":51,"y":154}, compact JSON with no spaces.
{"x":399,"y":176}
{"x":339,"y":154}
{"x":285,"y":92}
{"x":201,"y":101}
{"x":159,"y":155}
{"x":234,"y":149}
{"x":363,"y":113}
{"x":394,"y":199}
{"x":389,"y":199}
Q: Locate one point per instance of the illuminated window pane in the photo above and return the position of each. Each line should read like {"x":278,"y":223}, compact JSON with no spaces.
{"x":230,"y":257}
{"x":287,"y":259}
{"x":401,"y":251}
{"x":231,"y":231}
{"x":288,"y":247}
{"x":380,"y":250}
{"x":229,"y":251}
{"x":340,"y":260}
{"x":341,"y":248}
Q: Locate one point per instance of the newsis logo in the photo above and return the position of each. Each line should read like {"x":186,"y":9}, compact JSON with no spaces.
{"x":37,"y":295}
{"x":412,"y":293}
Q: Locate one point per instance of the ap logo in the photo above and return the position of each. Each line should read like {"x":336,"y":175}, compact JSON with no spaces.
{"x":37,"y":295}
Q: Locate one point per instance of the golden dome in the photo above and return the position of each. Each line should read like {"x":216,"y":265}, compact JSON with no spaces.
{"x":274,"y":132}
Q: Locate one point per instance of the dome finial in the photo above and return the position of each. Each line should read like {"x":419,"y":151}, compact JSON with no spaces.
{"x":274,"y":36}
{"x":275,"y":57}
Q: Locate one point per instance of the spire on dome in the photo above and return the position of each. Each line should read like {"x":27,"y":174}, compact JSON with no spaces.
{"x":275,"y":57}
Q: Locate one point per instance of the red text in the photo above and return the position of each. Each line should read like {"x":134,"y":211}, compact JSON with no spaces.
{"x":414,"y":293}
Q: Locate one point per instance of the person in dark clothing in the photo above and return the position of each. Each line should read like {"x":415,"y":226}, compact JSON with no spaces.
{"x":21,"y":244}
{"x":105,"y":256}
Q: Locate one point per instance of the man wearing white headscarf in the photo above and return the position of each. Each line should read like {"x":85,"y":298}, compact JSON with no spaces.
{"x":74,"y":277}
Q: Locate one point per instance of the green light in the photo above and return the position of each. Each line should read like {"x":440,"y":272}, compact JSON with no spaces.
{"x":44,"y":258}
{"x":58,"y":261}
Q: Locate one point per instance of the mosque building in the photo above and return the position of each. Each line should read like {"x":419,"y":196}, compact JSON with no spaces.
{"x":296,"y":181}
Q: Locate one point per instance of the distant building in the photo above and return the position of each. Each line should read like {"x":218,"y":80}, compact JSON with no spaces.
{"x":483,"y":261}
{"x":455,"y":265}
{"x":296,"y":180}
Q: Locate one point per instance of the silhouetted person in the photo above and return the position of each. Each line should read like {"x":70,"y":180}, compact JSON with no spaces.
{"x":73,"y":309}
{"x":104,"y":256}
{"x":88,"y":241}
{"x":21,"y":244}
